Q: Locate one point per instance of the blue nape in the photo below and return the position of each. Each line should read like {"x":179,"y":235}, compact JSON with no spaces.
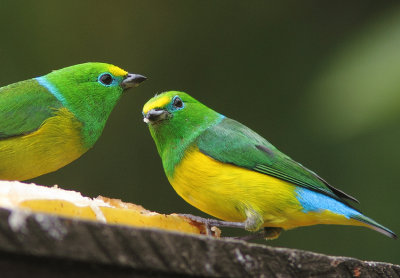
{"x":314,"y":201}
{"x":51,"y":88}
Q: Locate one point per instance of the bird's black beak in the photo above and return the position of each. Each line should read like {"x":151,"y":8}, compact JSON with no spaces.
{"x":156,"y":115}
{"x":132,"y":80}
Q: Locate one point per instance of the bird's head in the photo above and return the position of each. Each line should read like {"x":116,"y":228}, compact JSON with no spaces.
{"x":100,"y":83}
{"x":175,"y":118}
{"x":90,"y":91}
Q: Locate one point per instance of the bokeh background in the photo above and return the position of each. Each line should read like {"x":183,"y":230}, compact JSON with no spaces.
{"x":320,"y":80}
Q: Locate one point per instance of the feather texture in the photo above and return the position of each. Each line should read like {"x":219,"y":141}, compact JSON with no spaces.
{"x":49,"y":121}
{"x":229,"y":171}
{"x":24,"y":106}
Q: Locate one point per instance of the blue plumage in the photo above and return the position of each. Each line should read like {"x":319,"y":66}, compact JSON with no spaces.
{"x":51,"y":88}
{"x":314,"y":201}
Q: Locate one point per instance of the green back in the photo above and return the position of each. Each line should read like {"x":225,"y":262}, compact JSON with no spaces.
{"x":231,"y":142}
{"x":22,"y":112}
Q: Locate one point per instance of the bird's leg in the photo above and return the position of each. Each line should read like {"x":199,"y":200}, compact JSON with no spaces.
{"x":214,"y":222}
{"x":250,"y":224}
{"x":253,"y":222}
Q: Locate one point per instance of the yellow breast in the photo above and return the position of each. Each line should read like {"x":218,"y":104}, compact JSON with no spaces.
{"x":227,"y":191}
{"x":55,"y":144}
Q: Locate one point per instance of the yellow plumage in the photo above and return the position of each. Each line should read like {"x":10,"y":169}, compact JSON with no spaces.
{"x":116,"y":71}
{"x":156,"y":104}
{"x":229,"y":192}
{"x":55,"y":144}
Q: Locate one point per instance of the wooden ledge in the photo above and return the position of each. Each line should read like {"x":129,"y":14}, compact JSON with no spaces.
{"x":49,"y":246}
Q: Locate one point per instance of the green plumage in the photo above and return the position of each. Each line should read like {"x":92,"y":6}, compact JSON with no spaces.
{"x":174,"y":139}
{"x":228,"y":141}
{"x":229,"y":171}
{"x":49,"y":121}
{"x":231,"y":142}
{"x":24,"y":106}
{"x":89,"y":100}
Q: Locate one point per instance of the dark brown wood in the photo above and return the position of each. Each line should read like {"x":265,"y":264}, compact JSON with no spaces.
{"x":38,"y":245}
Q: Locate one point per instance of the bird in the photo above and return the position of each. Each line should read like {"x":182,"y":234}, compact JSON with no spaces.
{"x":49,"y":121}
{"x":228,"y":171}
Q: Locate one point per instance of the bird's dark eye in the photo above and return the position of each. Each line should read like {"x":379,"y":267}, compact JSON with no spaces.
{"x":178,"y":102}
{"x":106,"y":79}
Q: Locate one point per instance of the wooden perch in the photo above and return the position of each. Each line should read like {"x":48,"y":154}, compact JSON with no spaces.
{"x":44,"y":245}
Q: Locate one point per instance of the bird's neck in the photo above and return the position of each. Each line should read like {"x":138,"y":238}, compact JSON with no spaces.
{"x":89,"y":106}
{"x":93,"y":121}
{"x":172,"y":144}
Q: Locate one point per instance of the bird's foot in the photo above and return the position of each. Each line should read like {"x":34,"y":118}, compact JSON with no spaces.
{"x":272,"y":232}
{"x":267,"y":233}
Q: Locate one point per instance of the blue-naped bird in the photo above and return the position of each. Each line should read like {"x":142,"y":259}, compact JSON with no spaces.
{"x":49,"y":121}
{"x":227,"y":170}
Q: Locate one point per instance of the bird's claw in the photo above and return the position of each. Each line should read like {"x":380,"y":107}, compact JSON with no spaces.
{"x":267,"y":233}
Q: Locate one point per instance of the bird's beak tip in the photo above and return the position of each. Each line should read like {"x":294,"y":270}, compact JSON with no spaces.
{"x":132,"y":80}
{"x":156,"y":115}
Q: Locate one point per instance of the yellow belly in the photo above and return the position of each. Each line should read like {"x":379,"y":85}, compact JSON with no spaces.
{"x":55,"y":144}
{"x":227,"y":191}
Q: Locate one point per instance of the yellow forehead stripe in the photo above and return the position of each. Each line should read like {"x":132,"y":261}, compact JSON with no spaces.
{"x":157,"y":103}
{"x":116,"y":71}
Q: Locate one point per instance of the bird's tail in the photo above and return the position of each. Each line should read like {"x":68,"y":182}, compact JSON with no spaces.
{"x":374,"y":225}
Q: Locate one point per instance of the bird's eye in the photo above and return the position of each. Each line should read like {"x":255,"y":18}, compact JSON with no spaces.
{"x":105,"y":79}
{"x":178,"y":103}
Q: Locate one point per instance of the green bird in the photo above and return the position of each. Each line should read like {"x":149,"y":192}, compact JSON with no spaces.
{"x":227,"y":170}
{"x":49,"y":121}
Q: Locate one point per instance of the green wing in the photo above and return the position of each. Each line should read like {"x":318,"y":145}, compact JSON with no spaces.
{"x":231,"y":142}
{"x":23,"y":108}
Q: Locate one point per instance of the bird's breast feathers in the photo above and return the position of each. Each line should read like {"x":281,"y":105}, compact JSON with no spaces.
{"x":56,"y":143}
{"x":226,"y":191}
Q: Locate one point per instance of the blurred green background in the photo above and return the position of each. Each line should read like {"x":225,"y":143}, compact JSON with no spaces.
{"x":320,"y":80}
